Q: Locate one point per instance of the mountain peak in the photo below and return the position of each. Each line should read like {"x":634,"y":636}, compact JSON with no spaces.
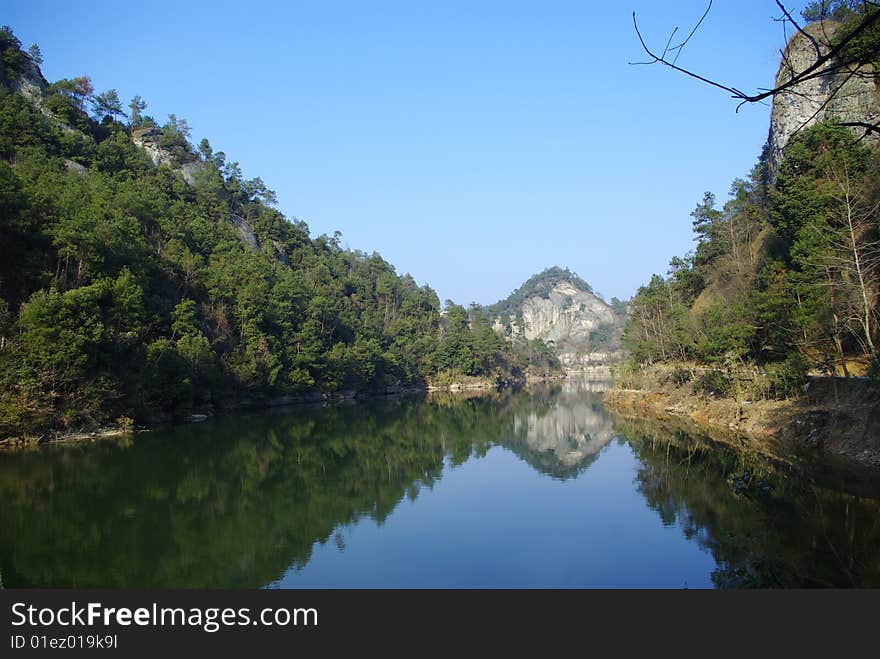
{"x":539,"y":285}
{"x":558,"y":306}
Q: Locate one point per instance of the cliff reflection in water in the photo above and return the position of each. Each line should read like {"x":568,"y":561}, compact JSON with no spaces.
{"x":563,"y":429}
{"x":232,"y":502}
{"x":237,"y":502}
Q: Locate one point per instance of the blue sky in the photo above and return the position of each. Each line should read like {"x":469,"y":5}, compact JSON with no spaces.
{"x":472,"y":144}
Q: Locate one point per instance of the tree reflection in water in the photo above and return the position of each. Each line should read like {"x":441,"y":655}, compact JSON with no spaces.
{"x":767,"y":523}
{"x":236,"y":502}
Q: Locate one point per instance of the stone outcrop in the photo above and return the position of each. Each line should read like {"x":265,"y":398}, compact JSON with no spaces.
{"x":244,"y":230}
{"x":31,"y":84}
{"x":75,"y":167}
{"x":149,"y":139}
{"x":569,"y":317}
{"x":815,"y":100}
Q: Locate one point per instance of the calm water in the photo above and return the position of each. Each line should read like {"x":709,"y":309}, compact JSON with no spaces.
{"x":539,"y":489}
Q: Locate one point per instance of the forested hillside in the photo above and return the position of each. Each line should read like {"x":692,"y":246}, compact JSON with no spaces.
{"x":144,"y":279}
{"x":785,"y":274}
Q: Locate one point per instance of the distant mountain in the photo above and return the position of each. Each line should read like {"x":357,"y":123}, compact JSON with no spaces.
{"x":557,"y":306}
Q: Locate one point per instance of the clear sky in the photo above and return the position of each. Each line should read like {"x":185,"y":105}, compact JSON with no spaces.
{"x":471,"y":143}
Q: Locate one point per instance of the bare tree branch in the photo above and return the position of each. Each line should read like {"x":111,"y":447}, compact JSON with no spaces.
{"x":835,"y":59}
{"x":800,"y":29}
{"x":814,"y":70}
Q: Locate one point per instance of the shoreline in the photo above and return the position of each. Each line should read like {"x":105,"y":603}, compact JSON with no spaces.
{"x":84,"y":435}
{"x":839,"y":418}
{"x":462,"y":385}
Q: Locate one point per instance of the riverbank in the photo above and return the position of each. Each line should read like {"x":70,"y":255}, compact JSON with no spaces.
{"x":834,"y":416}
{"x":98,"y":432}
{"x":459,"y":385}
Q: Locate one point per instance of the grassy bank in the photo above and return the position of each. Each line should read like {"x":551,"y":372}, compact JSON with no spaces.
{"x":837,"y":416}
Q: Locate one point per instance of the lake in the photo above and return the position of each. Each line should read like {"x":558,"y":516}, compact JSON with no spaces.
{"x":542,"y":488}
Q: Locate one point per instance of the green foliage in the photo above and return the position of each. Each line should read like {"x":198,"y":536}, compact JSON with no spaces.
{"x":783,"y":278}
{"x":787,"y":378}
{"x":620,"y":307}
{"x":107,"y":104}
{"x":136,"y":111}
{"x":657,"y":327}
{"x":837,"y":10}
{"x":681,"y":376}
{"x":714,"y":382}
{"x":859,"y":42}
{"x":538,"y":285}
{"x":13,"y":61}
{"x":128,"y":293}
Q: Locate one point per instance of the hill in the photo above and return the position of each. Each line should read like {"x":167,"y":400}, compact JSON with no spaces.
{"x":559,"y":308}
{"x":143,"y":278}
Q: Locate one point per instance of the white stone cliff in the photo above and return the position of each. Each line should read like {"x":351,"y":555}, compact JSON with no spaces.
{"x":566,"y":318}
{"x":815,"y":100}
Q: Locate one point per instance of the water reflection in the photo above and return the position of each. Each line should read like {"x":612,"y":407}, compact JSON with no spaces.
{"x":239,"y":502}
{"x":561,"y":433}
{"x":767,"y":523}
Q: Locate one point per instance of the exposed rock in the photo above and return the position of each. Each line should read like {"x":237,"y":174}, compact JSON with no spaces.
{"x":31,"y":84}
{"x":568,"y":316}
{"x":244,"y":229}
{"x":148,"y":139}
{"x":190,"y":170}
{"x":811,"y":101}
{"x":281,"y":252}
{"x":73,"y":166}
{"x":836,"y":416}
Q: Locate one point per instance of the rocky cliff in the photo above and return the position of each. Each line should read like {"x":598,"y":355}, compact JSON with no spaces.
{"x":847,"y":95}
{"x":149,"y":139}
{"x":557,"y":306}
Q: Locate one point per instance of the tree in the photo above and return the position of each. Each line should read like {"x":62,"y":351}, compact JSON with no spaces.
{"x":82,"y":90}
{"x":833,"y":225}
{"x":35,"y":54}
{"x":206,"y":150}
{"x":107,"y":104}
{"x":838,"y":10}
{"x":136,"y":107}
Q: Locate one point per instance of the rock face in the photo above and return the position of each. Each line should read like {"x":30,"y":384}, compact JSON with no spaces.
{"x":815,"y":100}
{"x":148,"y":138}
{"x":244,"y":230}
{"x":31,"y":85}
{"x":564,"y":311}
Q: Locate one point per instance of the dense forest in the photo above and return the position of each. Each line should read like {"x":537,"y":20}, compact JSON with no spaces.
{"x":132,"y":293}
{"x":784,"y":277}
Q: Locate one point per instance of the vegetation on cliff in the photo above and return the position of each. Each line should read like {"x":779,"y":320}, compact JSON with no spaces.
{"x":135,"y":291}
{"x":785,"y":275}
{"x":604,"y":327}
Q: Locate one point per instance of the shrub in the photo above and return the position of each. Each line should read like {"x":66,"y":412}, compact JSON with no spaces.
{"x":682,"y":376}
{"x":714,"y":383}
{"x":787,"y":379}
